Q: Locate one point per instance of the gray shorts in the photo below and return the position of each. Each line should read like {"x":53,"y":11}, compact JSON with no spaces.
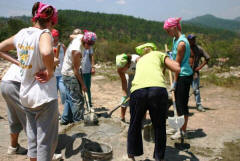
{"x":42,"y":130}
{"x":15,"y":110}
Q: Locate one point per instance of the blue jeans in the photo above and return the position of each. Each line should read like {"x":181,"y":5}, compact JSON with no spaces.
{"x":74,"y":104}
{"x":61,"y":88}
{"x":195,"y":86}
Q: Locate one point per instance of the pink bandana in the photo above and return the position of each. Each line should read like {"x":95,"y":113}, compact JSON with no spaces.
{"x":89,"y":37}
{"x":55,"y":33}
{"x":39,"y":13}
{"x":172,"y":22}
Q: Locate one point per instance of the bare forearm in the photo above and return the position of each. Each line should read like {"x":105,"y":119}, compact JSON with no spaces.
{"x":92,"y":61}
{"x":124,"y":87}
{"x":78,"y":76}
{"x":123,"y":81}
{"x":202,"y":65}
{"x":172,"y":65}
{"x":48,"y":61}
{"x":4,"y":55}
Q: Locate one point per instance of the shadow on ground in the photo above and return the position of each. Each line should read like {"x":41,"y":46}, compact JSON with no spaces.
{"x":66,"y":143}
{"x":206,"y":108}
{"x":174,"y":154}
{"x":198,"y":133}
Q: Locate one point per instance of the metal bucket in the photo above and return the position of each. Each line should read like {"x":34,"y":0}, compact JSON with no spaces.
{"x":94,"y":151}
{"x":148,"y":133}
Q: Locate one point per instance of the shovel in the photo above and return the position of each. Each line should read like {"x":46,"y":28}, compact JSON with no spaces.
{"x":111,"y":112}
{"x":89,"y":109}
{"x":90,"y":118}
{"x":176,"y":122}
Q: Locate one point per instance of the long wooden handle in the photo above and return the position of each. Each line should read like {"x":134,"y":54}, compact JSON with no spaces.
{"x":171,"y":82}
{"x":57,"y":51}
{"x":87,"y":101}
{"x":111,"y":112}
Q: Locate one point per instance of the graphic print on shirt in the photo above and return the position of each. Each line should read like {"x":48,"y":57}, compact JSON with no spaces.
{"x":24,"y":52}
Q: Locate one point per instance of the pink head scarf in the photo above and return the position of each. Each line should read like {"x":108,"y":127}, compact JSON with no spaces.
{"x":55,"y":33}
{"x":172,"y":22}
{"x":39,"y":14}
{"x":89,"y":37}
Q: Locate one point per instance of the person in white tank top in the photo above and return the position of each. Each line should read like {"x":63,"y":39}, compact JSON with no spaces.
{"x":126,"y":66}
{"x":38,"y":92}
{"x":72,"y":78}
{"x":10,"y":86}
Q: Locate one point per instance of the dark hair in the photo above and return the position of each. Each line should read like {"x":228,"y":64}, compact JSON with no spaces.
{"x":90,"y":43}
{"x":129,"y":58}
{"x":48,"y":11}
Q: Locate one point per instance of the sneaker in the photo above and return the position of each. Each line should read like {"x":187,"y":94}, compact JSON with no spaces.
{"x":200,"y":108}
{"x":63,"y":123}
{"x":171,"y":131}
{"x":177,"y":135}
{"x":17,"y":150}
{"x":56,"y":157}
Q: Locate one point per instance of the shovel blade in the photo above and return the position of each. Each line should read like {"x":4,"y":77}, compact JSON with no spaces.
{"x":91,"y":119}
{"x":176,"y":122}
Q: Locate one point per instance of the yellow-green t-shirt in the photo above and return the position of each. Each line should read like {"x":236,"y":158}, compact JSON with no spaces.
{"x":149,"y":71}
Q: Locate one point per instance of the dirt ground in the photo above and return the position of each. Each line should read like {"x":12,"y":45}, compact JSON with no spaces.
{"x":213,"y":135}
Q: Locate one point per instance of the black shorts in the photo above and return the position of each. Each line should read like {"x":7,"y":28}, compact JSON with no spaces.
{"x":182,"y":94}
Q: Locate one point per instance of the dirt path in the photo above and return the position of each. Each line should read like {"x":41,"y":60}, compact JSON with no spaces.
{"x":208,"y":131}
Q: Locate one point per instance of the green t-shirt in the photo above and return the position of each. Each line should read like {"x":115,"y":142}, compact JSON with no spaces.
{"x":149,"y":71}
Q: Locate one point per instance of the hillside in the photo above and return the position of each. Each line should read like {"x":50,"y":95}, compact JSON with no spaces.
{"x":120,"y":33}
{"x":215,"y":22}
{"x":237,"y":18}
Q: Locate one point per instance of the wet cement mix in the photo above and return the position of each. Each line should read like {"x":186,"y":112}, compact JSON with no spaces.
{"x":213,"y":135}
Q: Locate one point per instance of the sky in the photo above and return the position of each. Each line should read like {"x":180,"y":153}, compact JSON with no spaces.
{"x":157,"y":10}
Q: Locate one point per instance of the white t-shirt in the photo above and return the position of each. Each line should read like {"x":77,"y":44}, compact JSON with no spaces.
{"x":67,"y":68}
{"x":131,"y":70}
{"x":61,"y":57}
{"x":86,"y":63}
{"x":13,"y":74}
{"x":32,"y":92}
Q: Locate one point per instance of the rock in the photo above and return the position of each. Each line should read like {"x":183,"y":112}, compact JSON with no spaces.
{"x":99,"y":77}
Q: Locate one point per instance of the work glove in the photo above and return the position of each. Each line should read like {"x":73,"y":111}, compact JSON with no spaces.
{"x":169,"y":53}
{"x":123,"y":99}
{"x":173,"y":87}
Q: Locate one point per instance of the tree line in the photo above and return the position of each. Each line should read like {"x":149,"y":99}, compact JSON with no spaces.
{"x":120,"y":33}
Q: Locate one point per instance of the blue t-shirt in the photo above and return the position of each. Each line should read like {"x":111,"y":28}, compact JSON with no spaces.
{"x":186,"y":69}
{"x":86,"y":62}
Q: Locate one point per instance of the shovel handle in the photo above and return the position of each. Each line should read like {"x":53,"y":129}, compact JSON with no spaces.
{"x":87,"y":102}
{"x":171,"y":81}
{"x":111,"y":112}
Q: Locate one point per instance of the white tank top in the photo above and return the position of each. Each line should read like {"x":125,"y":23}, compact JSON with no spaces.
{"x":32,"y":92}
{"x":13,"y":74}
{"x":67,"y":68}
